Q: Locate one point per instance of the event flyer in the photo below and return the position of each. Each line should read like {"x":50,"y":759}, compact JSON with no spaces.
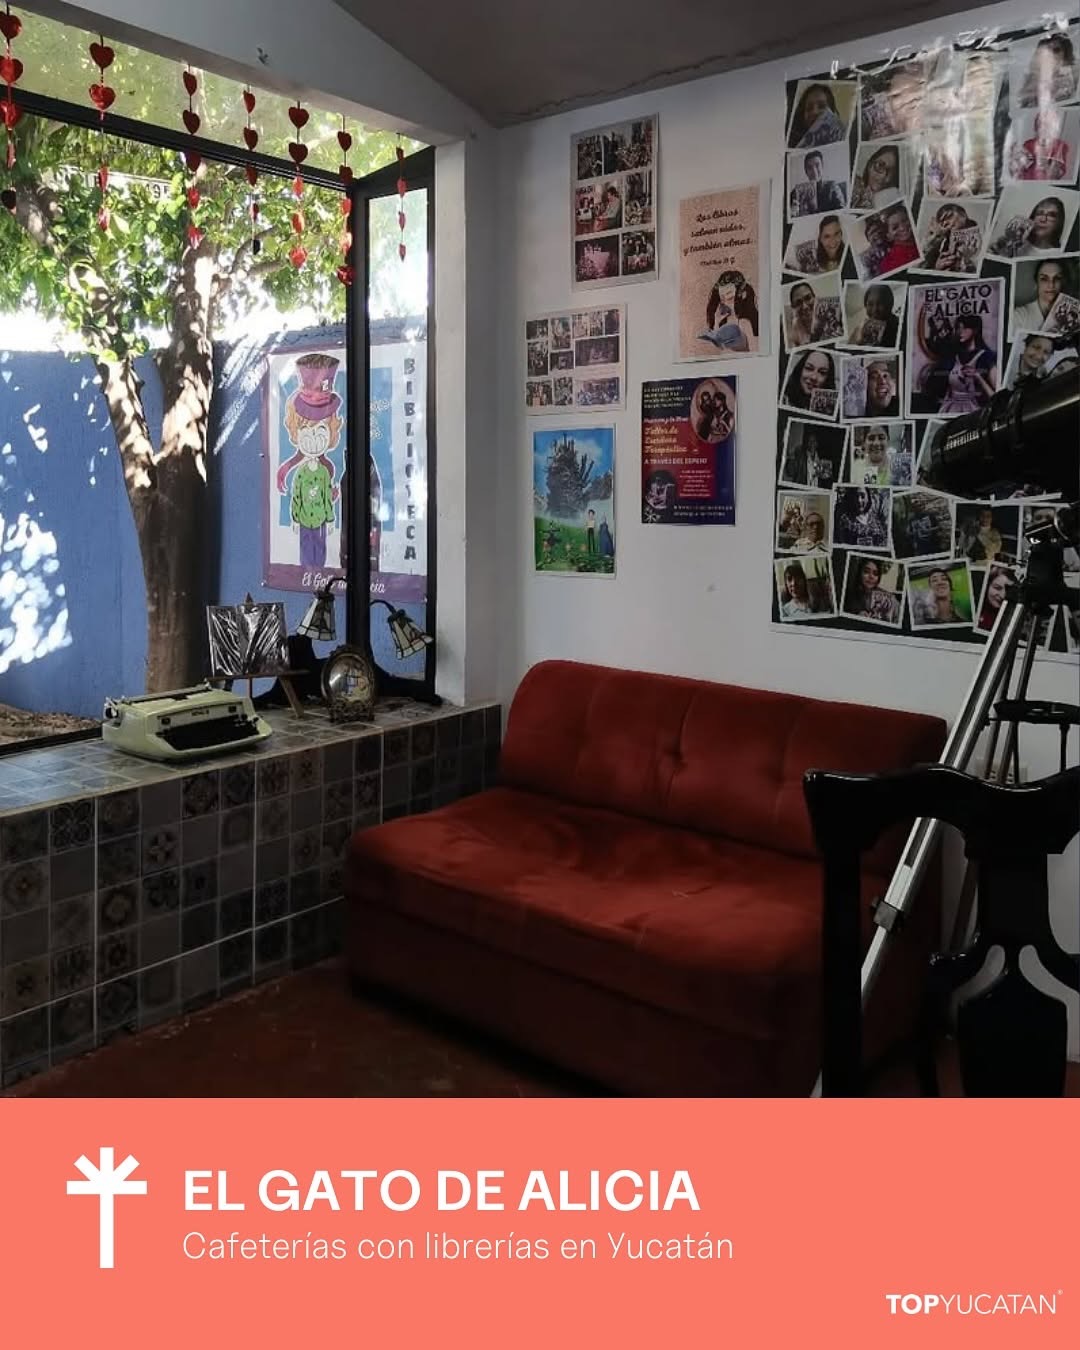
{"x":721,"y":237}
{"x":688,"y":436}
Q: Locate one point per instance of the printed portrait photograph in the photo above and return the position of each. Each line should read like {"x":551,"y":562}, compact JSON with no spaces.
{"x":959,"y":157}
{"x":629,"y":146}
{"x":891,"y":101}
{"x":817,"y":180}
{"x":1033,"y":219}
{"x":882,"y":454}
{"x":861,"y":517}
{"x":873,"y":589}
{"x":811,"y":311}
{"x":563,"y":391}
{"x":954,"y":346}
{"x":1043,"y":147}
{"x":561,"y":333}
{"x":802,"y":522}
{"x":638,"y":252}
{"x":821,"y":113}
{"x":883,"y":172}
{"x":922,"y":524}
{"x":884,"y":242}
{"x":713,"y":410}
{"x":638,"y":199}
{"x":538,"y":393}
{"x":871,"y":386}
{"x":561,"y":360}
{"x":810,"y":383}
{"x":600,"y":393}
{"x":804,"y":588}
{"x":599,"y":351}
{"x":612,"y":321}
{"x":874,"y":313}
{"x":597,"y":259}
{"x":589,"y":157}
{"x":813,"y":454}
{"x":952,"y":235}
{"x":598,"y":207}
{"x":987,"y":532}
{"x":1040,"y":356}
{"x":992,"y":590}
{"x":538,"y":357}
{"x":1043,"y":70}
{"x":939,"y":595}
{"x":817,"y":244}
{"x":1045,"y":296}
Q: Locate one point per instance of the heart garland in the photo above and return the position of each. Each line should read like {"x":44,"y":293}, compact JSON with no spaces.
{"x":402,"y":188}
{"x":102,"y":96}
{"x":298,"y":152}
{"x":346,"y":273}
{"x":11,"y":69}
{"x":251,"y":140}
{"x":192,"y":158}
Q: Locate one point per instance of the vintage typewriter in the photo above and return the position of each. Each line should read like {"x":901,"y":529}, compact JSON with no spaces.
{"x":183,"y":724}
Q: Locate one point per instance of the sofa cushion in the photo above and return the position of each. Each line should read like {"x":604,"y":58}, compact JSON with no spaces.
{"x":702,"y":756}
{"x":721,"y":932}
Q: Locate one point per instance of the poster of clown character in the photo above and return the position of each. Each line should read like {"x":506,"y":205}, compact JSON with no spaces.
{"x":305,"y":456}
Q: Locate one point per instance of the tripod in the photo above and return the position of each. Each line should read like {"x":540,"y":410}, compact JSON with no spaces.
{"x":831,"y":802}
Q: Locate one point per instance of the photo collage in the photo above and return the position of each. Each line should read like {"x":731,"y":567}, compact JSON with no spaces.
{"x":613,"y":204}
{"x":575,"y":359}
{"x":930,"y":260}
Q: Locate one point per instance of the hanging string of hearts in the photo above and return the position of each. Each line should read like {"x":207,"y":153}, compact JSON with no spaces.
{"x":346,"y":273}
{"x":102,"y":96}
{"x":11,"y":69}
{"x":251,"y":140}
{"x":298,"y":152}
{"x":192,"y":158}
{"x":402,"y":188}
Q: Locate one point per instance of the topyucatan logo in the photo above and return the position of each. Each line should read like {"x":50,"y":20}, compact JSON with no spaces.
{"x":978,"y":1305}
{"x":106,"y":1180}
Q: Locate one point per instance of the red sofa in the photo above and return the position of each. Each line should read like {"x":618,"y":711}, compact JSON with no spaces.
{"x":640,"y":899}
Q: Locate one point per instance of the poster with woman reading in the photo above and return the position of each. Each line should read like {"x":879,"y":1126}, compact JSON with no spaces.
{"x":723,"y":241}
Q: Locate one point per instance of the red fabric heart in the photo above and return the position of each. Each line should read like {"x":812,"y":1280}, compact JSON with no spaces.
{"x":298,"y":256}
{"x":346,"y":206}
{"x":103,"y":219}
{"x":191,"y":82}
{"x":298,"y":116}
{"x":401,"y":220}
{"x":102,"y":55}
{"x":402,"y":187}
{"x":103,"y":177}
{"x":251,"y":137}
{"x":192,"y":159}
{"x":195,"y":236}
{"x":345,"y":173}
{"x":346,"y":274}
{"x":10,"y":26}
{"x":345,"y":242}
{"x":298,"y":186}
{"x":249,"y":100}
{"x":12,"y":114}
{"x":297,"y":152}
{"x":11,"y":69}
{"x":192,"y":120}
{"x":401,"y":252}
{"x":193,"y":197}
{"x":298,"y":221}
{"x":252,"y":174}
{"x":102,"y":96}
{"x":344,"y":139}
{"x":8,"y":199}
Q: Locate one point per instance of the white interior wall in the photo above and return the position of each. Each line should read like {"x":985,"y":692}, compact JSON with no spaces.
{"x":696,"y":601}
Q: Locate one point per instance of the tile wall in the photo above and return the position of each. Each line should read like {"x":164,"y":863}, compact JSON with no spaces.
{"x":122,"y":908}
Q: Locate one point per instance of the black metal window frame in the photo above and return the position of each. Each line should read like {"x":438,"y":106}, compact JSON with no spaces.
{"x":419,"y":171}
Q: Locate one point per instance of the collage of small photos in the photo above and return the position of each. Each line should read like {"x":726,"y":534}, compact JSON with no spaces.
{"x":575,"y":359}
{"x":930,"y":260}
{"x":612,"y":204}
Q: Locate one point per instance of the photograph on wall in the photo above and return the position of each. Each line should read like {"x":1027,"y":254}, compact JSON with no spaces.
{"x":873,"y":590}
{"x":1033,"y":220}
{"x":883,"y":242}
{"x":959,"y":157}
{"x":1043,"y":147}
{"x":804,"y":588}
{"x":883,"y":172}
{"x":882,"y":454}
{"x":575,"y":358}
{"x":1045,"y":296}
{"x":862,"y":517}
{"x":954,"y":346}
{"x":813,"y":454}
{"x":987,"y":532}
{"x":873,"y":314}
{"x":951,"y":235}
{"x":939,"y":594}
{"x":304,"y":432}
{"x":992,"y":592}
{"x":574,"y":501}
{"x":811,"y":312}
{"x":821,"y":113}
{"x":922,"y":524}
{"x":817,"y":181}
{"x":689,"y":430}
{"x":810,"y":383}
{"x":816,"y":244}
{"x":891,"y":101}
{"x":802,"y":522}
{"x":1043,"y":69}
{"x":871,"y":386}
{"x":723,"y":240}
{"x":613,"y":204}
{"x":1040,"y":356}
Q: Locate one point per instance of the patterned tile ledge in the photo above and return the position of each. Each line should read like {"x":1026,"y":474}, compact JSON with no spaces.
{"x":81,"y":769}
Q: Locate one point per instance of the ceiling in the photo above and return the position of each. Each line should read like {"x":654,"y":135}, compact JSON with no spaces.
{"x":513,"y":60}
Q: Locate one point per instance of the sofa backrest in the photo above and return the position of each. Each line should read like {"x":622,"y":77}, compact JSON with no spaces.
{"x":710,"y":757}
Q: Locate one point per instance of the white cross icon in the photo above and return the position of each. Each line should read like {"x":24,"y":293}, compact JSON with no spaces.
{"x":106,"y":1181}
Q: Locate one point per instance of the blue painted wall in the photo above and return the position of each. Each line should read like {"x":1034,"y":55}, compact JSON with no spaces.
{"x":59,"y":466}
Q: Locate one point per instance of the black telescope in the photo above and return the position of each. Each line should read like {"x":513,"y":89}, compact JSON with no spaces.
{"x":1024,"y":436}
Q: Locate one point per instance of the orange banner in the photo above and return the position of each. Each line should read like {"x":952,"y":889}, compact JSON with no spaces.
{"x":540,"y":1223}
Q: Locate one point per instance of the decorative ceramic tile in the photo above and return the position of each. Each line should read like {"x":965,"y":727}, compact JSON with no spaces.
{"x":200,"y":838}
{"x":199,"y":926}
{"x":23,"y":1038}
{"x":421,"y":778}
{"x":304,"y":890}
{"x":198,"y":976}
{"x":72,"y":873}
{"x":117,"y":860}
{"x":158,"y":986}
{"x":273,"y":777}
{"x":118,"y":906}
{"x":71,"y":922}
{"x":160,"y":893}
{"x":271,"y":901}
{"x":23,"y":837}
{"x":236,"y":913}
{"x":422,"y":741}
{"x":448,"y":768}
{"x":24,"y":985}
{"x":338,"y":800}
{"x":24,"y":887}
{"x":306,"y":849}
{"x":332,"y":883}
{"x":199,"y":883}
{"x":448,"y":734}
{"x":306,"y":809}
{"x":306,"y":770}
{"x":71,"y":1020}
{"x":24,"y":936}
{"x":369,"y":791}
{"x":118,"y":954}
{"x":161,"y":804}
{"x":370,"y":750}
{"x":271,"y":861}
{"x":117,"y":814}
{"x":237,"y":827}
{"x":271,"y":944}
{"x":305,"y":935}
{"x":236,"y":871}
{"x":472,"y":727}
{"x":335,"y":837}
{"x":160,"y":848}
{"x":71,"y":825}
{"x":364,"y":820}
{"x":200,"y":794}
{"x":338,"y":761}
{"x":159,"y":939}
{"x":237,"y":785}
{"x":117,"y":1001}
{"x":273,"y":818}
{"x":234,"y":959}
{"x":72,"y":969}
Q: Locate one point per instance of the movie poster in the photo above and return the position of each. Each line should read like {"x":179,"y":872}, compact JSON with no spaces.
{"x":613,"y":201}
{"x":723,"y":237}
{"x":954,"y":346}
{"x":688,"y":436}
{"x":574,"y":501}
{"x":575,"y":358}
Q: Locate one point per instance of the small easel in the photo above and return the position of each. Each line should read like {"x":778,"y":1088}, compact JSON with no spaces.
{"x":284,"y":678}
